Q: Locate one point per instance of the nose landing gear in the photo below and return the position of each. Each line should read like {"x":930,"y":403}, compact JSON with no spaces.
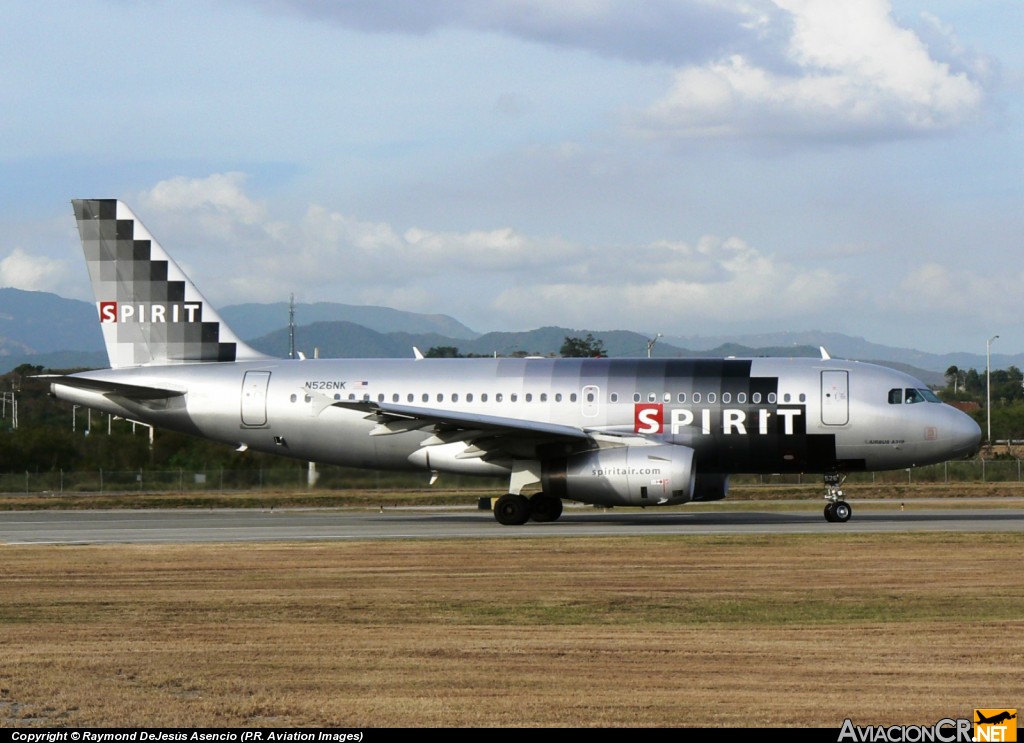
{"x":836,"y":510}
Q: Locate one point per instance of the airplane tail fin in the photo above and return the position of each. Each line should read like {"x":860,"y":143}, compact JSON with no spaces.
{"x":149,"y":310}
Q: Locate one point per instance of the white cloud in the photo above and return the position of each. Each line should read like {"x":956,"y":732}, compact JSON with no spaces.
{"x":220,"y":192}
{"x":938,"y":289}
{"x":854,"y":72}
{"x":494,"y":273}
{"x":717,"y":281}
{"x":32,"y":272}
{"x":503,"y":278}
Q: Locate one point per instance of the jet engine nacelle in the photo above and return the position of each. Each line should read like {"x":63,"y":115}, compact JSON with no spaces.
{"x":625,"y":476}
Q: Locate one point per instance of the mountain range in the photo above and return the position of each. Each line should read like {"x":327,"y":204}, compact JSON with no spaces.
{"x":45,"y":329}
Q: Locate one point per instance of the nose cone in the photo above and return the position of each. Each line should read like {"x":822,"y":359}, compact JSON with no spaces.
{"x":965,"y":435}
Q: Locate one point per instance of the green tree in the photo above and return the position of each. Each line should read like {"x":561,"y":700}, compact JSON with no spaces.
{"x":953,"y":376}
{"x":443,"y":352}
{"x":587,"y":348}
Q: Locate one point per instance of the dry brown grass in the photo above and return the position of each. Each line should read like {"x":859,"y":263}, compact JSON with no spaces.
{"x":674,"y":631}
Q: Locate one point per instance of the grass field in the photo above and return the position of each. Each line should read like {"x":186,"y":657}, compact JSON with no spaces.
{"x":609,"y":632}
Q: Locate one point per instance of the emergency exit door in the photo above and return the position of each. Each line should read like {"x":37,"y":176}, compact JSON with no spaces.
{"x":254,"y":398}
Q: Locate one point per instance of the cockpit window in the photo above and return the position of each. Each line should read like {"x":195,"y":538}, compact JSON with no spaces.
{"x":911,"y":395}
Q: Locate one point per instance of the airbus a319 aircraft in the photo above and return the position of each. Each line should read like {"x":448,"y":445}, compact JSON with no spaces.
{"x":612,"y":432}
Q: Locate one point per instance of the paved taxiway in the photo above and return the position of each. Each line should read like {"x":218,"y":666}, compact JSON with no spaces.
{"x":210,"y":526}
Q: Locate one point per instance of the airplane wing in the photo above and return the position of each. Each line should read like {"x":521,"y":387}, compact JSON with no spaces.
{"x":129,"y":391}
{"x":487,"y":437}
{"x":397,"y":418}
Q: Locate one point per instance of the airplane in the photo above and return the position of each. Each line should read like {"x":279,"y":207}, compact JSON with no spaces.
{"x":994,"y":719}
{"x":600,"y":431}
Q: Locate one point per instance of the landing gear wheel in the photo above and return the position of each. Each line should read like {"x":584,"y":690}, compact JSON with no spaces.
{"x":512,"y":510}
{"x":545,"y":507}
{"x":836,"y":510}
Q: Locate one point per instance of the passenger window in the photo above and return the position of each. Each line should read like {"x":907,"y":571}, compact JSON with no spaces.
{"x":895,"y":397}
{"x":394,"y":397}
{"x":771,"y":398}
{"x":455,"y":397}
{"x":513,"y":397}
{"x":590,"y":397}
{"x":726,"y":398}
{"x":294,"y":397}
{"x":668,"y":397}
{"x":803,"y":397}
{"x":426,"y":397}
{"x":785,"y":398}
{"x":558,"y":397}
{"x":543,"y":396}
{"x":712,"y":397}
{"x":636,"y":397}
{"x":410,"y":397}
{"x":573,"y":397}
{"x":498,"y":397}
{"x":529,"y":397}
{"x":652,"y":397}
{"x":741,"y":397}
{"x":756,"y":398}
{"x":440,"y":397}
{"x":696,"y":397}
{"x":469,"y":397}
{"x":337,"y":396}
{"x":483,"y":397}
{"x":614,"y":397}
{"x":681,"y":397}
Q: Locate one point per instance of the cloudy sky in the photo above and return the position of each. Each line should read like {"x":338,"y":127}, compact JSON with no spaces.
{"x":685,"y":167}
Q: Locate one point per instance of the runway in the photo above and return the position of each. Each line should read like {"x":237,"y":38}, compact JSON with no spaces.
{"x":202,"y":526}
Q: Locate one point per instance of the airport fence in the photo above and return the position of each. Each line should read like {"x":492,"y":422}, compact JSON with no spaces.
{"x":325,"y":478}
{"x":229,"y":480}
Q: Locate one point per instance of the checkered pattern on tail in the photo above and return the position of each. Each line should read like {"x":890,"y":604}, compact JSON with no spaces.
{"x":150,"y":312}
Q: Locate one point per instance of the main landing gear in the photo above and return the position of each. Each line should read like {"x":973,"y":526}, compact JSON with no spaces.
{"x":836,"y":510}
{"x":515,"y":510}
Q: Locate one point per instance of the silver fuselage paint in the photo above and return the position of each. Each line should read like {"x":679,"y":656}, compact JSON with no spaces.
{"x":796,"y":422}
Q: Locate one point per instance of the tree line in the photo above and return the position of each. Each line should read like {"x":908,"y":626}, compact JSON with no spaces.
{"x":573,"y":347}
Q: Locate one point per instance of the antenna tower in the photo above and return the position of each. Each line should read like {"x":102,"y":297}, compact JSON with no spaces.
{"x":291,"y":327}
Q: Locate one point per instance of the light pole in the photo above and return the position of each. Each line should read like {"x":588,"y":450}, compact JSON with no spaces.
{"x":988,"y":386}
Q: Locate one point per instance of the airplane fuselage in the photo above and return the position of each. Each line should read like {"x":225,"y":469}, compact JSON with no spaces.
{"x":737,"y":415}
